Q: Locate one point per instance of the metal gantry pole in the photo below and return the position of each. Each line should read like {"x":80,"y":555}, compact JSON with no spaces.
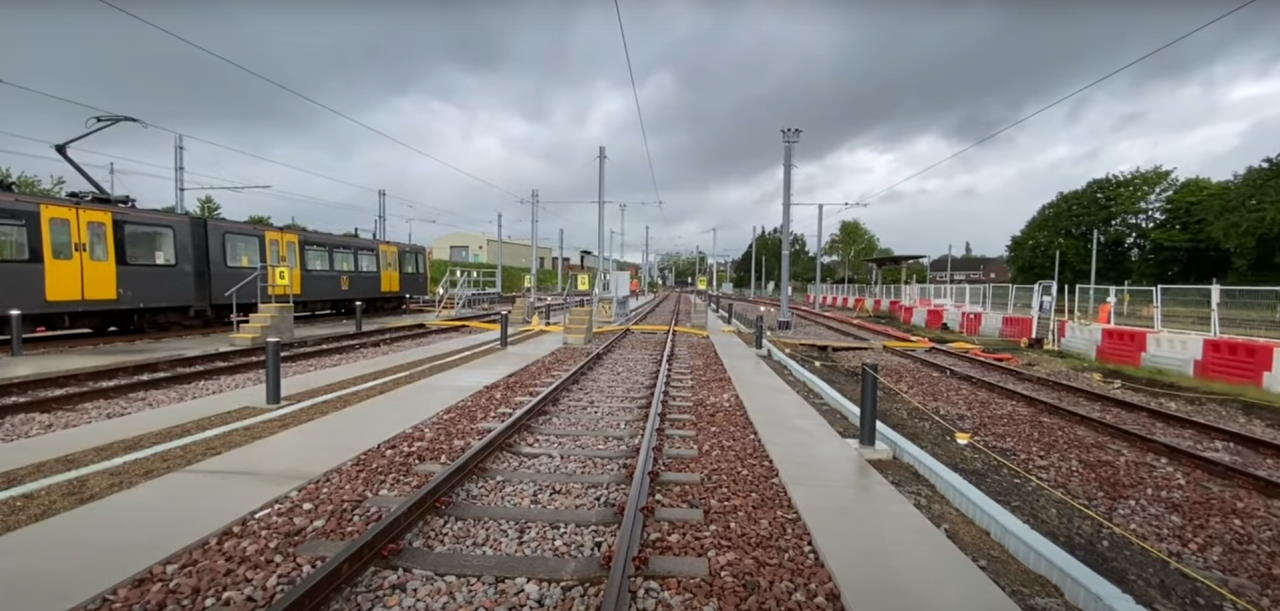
{"x":789,"y":138}
{"x":499,"y":281}
{"x":533,"y":250}
{"x":817,"y":261}
{"x":754,"y":239}
{"x":1093,"y":272}
{"x":179,"y":169}
{"x":644,"y":288}
{"x":560,"y":265}
{"x":595,"y":293}
{"x":715,"y":267}
{"x":622,"y":234}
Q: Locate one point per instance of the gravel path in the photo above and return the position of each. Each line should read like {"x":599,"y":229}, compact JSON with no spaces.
{"x":30,"y":424}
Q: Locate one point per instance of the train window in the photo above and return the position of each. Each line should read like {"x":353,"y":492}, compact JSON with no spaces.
{"x":422,"y":263}
{"x":97,"y":241}
{"x":408,"y":263}
{"x":60,"y":239}
{"x":242,"y":250}
{"x":273,"y":251}
{"x":366,"y":261}
{"x":316,"y":258}
{"x":13,"y":240}
{"x":143,"y":244}
{"x":344,"y":260}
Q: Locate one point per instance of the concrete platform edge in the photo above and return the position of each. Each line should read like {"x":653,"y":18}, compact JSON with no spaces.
{"x":1080,"y":584}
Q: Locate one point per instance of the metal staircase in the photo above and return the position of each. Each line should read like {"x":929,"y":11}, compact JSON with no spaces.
{"x":465,"y":289}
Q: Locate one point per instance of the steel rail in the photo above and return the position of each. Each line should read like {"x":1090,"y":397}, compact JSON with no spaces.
{"x":28,"y":383}
{"x":626,"y":547}
{"x":314,"y":591}
{"x":237,"y":360}
{"x":1262,"y":482}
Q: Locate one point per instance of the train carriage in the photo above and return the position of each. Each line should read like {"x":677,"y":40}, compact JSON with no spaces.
{"x":75,"y":264}
{"x":70,"y":264}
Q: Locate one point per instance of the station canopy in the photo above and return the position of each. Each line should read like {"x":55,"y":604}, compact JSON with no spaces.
{"x":893,"y":260}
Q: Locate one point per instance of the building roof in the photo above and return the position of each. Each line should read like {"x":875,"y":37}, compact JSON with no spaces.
{"x":892,"y":260}
{"x":965,"y":264}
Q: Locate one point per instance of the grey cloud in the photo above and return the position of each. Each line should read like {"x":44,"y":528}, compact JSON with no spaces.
{"x":521,"y":93}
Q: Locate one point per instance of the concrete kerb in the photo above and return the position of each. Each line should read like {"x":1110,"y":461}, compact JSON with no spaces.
{"x":1080,"y":584}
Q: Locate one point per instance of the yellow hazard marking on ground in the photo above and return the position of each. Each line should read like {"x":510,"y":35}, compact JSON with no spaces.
{"x":907,"y":345}
{"x":491,"y":326}
{"x":964,"y":346}
{"x":553,"y":328}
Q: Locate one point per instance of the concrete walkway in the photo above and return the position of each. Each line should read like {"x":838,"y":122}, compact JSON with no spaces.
{"x":86,"y":358}
{"x":63,"y":560}
{"x":883,"y":554}
{"x":51,"y":445}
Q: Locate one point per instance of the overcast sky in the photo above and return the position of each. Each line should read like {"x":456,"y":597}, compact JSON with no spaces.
{"x":521,"y":94}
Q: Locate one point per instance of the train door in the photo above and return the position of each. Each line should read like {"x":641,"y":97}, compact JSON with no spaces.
{"x":79,"y":254}
{"x":293,"y":260}
{"x":275,"y":250}
{"x":282,"y":249}
{"x":97,"y":255}
{"x":390,"y":279}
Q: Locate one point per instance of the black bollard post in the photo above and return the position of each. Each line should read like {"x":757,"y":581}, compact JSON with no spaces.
{"x":273,"y":371}
{"x":759,"y":331}
{"x":729,"y":311}
{"x":359,"y":316}
{"x":15,"y":332}
{"x":867,"y":415}
{"x":546,"y":314}
{"x":503,"y":318}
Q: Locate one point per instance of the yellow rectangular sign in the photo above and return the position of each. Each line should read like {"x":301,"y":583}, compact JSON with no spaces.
{"x":528,"y":282}
{"x":280,"y":276}
{"x":584,"y":282}
{"x":702,"y":283}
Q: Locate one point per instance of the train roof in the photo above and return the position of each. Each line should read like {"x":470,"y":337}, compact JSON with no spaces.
{"x":331,"y":238}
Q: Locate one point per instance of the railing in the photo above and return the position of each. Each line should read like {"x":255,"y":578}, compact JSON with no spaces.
{"x":235,"y":318}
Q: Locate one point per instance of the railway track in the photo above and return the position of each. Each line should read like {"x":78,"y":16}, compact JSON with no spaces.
{"x":54,"y":392}
{"x":1241,"y":456}
{"x":574,"y":463}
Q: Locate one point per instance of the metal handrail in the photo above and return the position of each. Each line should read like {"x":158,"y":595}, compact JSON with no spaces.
{"x":235,"y":318}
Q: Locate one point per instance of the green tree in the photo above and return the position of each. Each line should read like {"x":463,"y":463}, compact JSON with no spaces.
{"x":1183,"y":247}
{"x":295,"y":226}
{"x":769,"y":248}
{"x":968,"y":250}
{"x":207,"y":207}
{"x":1123,"y":208}
{"x":259,"y":219}
{"x":849,"y":245}
{"x":30,"y":184}
{"x":1247,"y":223}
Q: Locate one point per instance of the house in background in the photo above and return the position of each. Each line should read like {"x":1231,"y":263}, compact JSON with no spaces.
{"x":969,"y":270}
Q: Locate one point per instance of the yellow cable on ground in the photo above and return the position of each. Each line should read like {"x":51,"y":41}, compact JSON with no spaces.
{"x":490,"y":326}
{"x":1076,"y":504}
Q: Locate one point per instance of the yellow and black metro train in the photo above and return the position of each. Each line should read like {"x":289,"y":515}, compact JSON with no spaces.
{"x":70,"y":264}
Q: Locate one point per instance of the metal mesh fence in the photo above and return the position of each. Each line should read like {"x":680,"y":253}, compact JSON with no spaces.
{"x":1023,"y":299}
{"x":1000,"y":298}
{"x":1186,"y":308}
{"x":1251,"y":311}
{"x":1132,"y":306}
